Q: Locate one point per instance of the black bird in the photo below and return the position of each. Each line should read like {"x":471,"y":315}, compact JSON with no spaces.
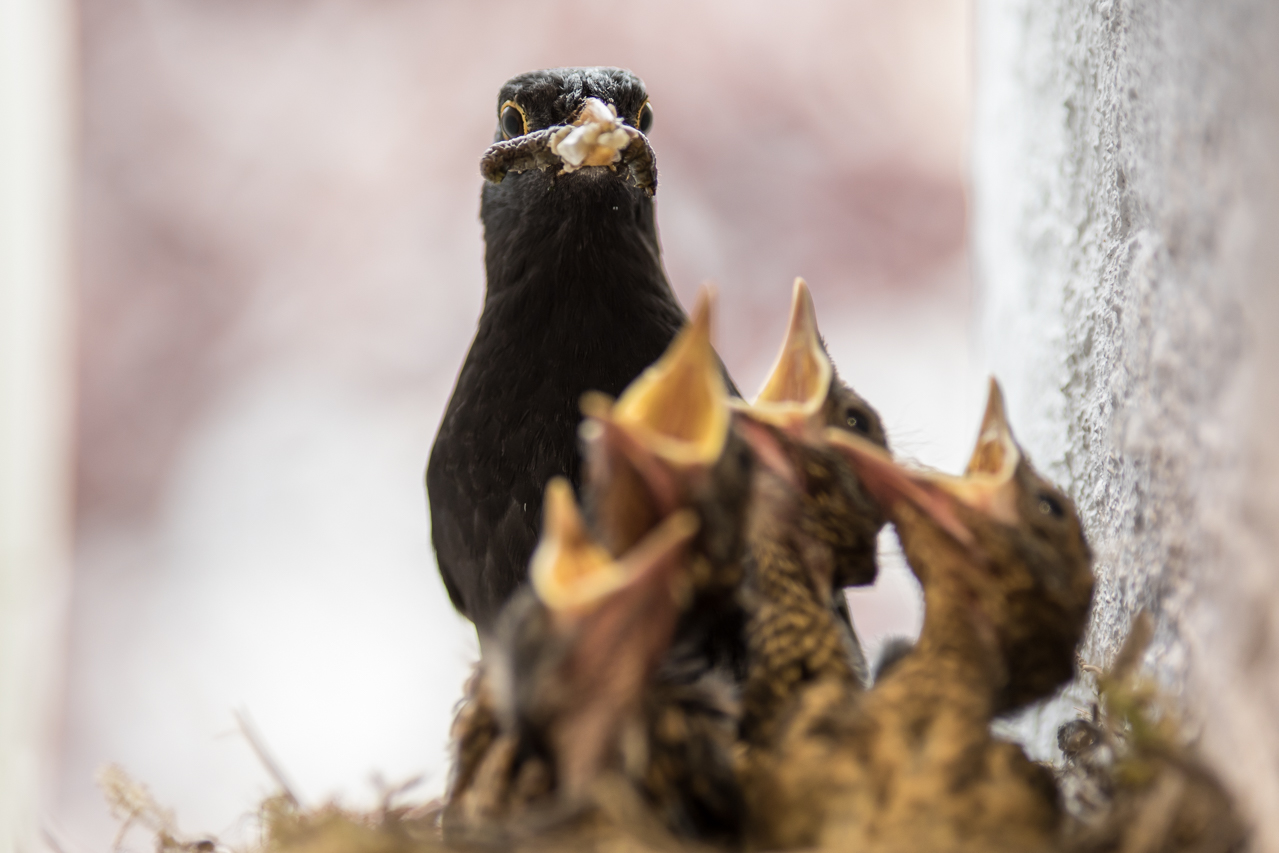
{"x":576,"y":301}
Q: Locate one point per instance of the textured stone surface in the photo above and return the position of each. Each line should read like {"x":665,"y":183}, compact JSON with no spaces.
{"x":1125,"y":227}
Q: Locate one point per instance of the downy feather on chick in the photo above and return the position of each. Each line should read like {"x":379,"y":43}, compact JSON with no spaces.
{"x":911,"y":764}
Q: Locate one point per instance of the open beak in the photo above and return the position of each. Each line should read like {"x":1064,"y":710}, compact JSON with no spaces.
{"x":572,"y":574}
{"x":619,"y":638}
{"x":677,"y":409}
{"x":795,"y":391}
{"x":650,"y":595}
{"x":891,"y":484}
{"x":596,"y":137}
{"x":988,"y":486}
{"x":630,"y":490}
{"x":569,"y":570}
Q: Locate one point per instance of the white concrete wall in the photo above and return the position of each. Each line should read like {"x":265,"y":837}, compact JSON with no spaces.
{"x":1125,"y":212}
{"x":36,"y":44}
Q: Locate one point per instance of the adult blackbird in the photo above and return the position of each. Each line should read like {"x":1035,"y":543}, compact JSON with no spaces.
{"x":576,"y":300}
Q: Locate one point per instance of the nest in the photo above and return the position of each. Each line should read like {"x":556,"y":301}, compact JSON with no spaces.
{"x":1129,"y":781}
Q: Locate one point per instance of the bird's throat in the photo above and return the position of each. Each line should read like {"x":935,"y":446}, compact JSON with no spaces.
{"x":584,"y":236}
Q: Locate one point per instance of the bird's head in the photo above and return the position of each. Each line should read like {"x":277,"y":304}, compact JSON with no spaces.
{"x":803,"y":393}
{"x":1002,"y":533}
{"x":784,"y":426}
{"x":565,"y":120}
{"x":574,"y":656}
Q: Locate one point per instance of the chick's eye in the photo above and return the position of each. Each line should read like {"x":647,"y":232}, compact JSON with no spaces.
{"x":645,"y":119}
{"x":857,"y":421}
{"x":512,"y":119}
{"x":1049,"y":505}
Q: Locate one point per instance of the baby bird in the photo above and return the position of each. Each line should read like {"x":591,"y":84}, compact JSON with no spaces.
{"x":911,"y":764}
{"x":802,"y":395}
{"x":560,"y":702}
{"x":663,"y":445}
{"x":811,"y":531}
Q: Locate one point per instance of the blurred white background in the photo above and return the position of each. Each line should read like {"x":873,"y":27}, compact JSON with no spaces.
{"x":280,"y":272}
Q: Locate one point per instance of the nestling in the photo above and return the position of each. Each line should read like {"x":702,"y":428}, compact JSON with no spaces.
{"x":567,"y":678}
{"x":812,"y":528}
{"x":670,"y":431}
{"x":911,"y":764}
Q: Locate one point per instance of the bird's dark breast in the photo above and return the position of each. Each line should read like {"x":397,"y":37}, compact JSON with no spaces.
{"x":576,"y":302}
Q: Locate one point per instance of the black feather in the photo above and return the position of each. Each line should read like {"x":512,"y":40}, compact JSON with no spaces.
{"x":576,"y":300}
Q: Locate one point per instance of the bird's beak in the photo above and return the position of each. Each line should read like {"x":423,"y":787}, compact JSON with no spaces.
{"x":989,"y":483}
{"x":988,"y":486}
{"x":796,"y":389}
{"x":569,"y":570}
{"x":630,"y":490}
{"x":891,"y":484}
{"x":596,"y":137}
{"x":678,"y":408}
{"x":651,"y":585}
{"x":572,"y":574}
{"x":617,"y":643}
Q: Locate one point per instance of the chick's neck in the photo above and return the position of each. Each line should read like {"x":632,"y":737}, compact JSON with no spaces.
{"x":958,"y":651}
{"x":794,"y":636}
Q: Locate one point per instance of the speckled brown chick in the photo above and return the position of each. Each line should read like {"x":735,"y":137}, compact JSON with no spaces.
{"x":911,"y":764}
{"x":665,"y":444}
{"x":812,"y":529}
{"x":560,"y":702}
{"x":802,"y":396}
{"x":797,"y":633}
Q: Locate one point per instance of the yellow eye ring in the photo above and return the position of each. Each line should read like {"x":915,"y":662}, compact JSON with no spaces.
{"x":506,"y":120}
{"x":644,"y":117}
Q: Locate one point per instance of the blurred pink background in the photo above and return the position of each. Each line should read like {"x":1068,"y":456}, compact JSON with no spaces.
{"x":281,"y":272}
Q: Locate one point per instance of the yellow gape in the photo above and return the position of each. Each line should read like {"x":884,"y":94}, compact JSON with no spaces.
{"x":679,"y":406}
{"x":796,"y":389}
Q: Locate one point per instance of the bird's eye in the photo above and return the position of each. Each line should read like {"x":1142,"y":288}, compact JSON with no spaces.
{"x":857,"y":421}
{"x":1048,"y":505}
{"x":513,"y":120}
{"x":645,"y":119}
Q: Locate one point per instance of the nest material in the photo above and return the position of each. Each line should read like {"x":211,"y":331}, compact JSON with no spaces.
{"x":1129,"y":782}
{"x":1128,"y":778}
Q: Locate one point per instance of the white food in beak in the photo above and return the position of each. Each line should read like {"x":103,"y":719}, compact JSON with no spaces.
{"x":595,"y":139}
